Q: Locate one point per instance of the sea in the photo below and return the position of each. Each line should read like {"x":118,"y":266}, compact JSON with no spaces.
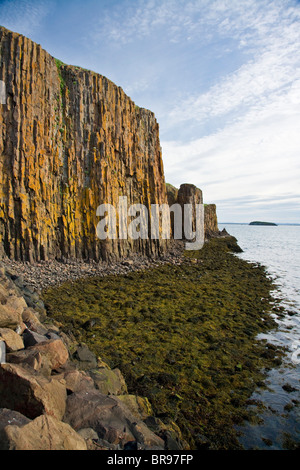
{"x":278,"y":249}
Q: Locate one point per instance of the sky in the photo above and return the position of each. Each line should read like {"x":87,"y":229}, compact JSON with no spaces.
{"x":221,"y":76}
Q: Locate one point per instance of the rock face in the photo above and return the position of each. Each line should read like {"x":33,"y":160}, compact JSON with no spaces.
{"x":70,"y":140}
{"x":210,"y":220}
{"x":190,"y":194}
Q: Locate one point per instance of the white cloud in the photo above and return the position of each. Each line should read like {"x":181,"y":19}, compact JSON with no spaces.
{"x":24,"y":16}
{"x":251,"y":117}
{"x":258,"y":154}
{"x":193,"y":20}
{"x":270,"y":72}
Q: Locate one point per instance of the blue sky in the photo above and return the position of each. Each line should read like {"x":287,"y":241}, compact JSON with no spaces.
{"x":221,"y":76}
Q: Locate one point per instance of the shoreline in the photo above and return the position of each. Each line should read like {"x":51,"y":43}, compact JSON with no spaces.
{"x":43,"y":274}
{"x":131,"y":325}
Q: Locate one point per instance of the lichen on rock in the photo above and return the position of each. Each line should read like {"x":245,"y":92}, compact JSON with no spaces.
{"x":70,"y":140}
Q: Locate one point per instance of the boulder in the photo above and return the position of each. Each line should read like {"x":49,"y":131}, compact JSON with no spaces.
{"x":86,"y":358}
{"x":44,"y":357}
{"x":9,"y":417}
{"x":31,"y":338}
{"x":109,"y":382}
{"x":17,"y":303}
{"x":43,"y":433}
{"x":31,"y":319}
{"x":30,"y":393}
{"x":31,"y":358}
{"x":109,"y":417}
{"x":140,"y":407}
{"x":53,"y":352}
{"x":9,"y":317}
{"x":12,"y":340}
{"x":77,"y":381}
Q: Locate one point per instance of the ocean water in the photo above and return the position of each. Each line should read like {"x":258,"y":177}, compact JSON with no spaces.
{"x":278,"y":249}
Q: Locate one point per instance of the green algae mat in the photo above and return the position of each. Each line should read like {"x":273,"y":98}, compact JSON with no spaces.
{"x":183,"y":336}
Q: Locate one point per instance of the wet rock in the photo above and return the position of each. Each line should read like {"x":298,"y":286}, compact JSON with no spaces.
{"x":267,"y":441}
{"x":202,"y":443}
{"x":171,"y":442}
{"x":90,"y":324}
{"x":289,"y":388}
{"x":169,"y":432}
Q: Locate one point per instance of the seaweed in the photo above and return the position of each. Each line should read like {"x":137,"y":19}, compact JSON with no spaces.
{"x":184,"y":336}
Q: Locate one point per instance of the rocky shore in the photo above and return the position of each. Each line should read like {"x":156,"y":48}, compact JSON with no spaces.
{"x":37,"y":276}
{"x":183,"y":335}
{"x":99,"y":372}
{"x":42,"y":274}
{"x":56,"y":394}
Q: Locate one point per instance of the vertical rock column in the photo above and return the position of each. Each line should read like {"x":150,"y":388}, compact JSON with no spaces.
{"x":190,"y":194}
{"x":70,"y":140}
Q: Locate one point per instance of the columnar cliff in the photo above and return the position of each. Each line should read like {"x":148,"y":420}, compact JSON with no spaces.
{"x":70,"y":140}
{"x":210,"y":220}
{"x":190,"y":194}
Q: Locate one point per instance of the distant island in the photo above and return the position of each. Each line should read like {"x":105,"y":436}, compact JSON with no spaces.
{"x":262,"y":223}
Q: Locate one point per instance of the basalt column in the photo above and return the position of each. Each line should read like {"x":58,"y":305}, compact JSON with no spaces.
{"x":70,"y":140}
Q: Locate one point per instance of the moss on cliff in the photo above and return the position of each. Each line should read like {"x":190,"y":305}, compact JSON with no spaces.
{"x":183,"y":336}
